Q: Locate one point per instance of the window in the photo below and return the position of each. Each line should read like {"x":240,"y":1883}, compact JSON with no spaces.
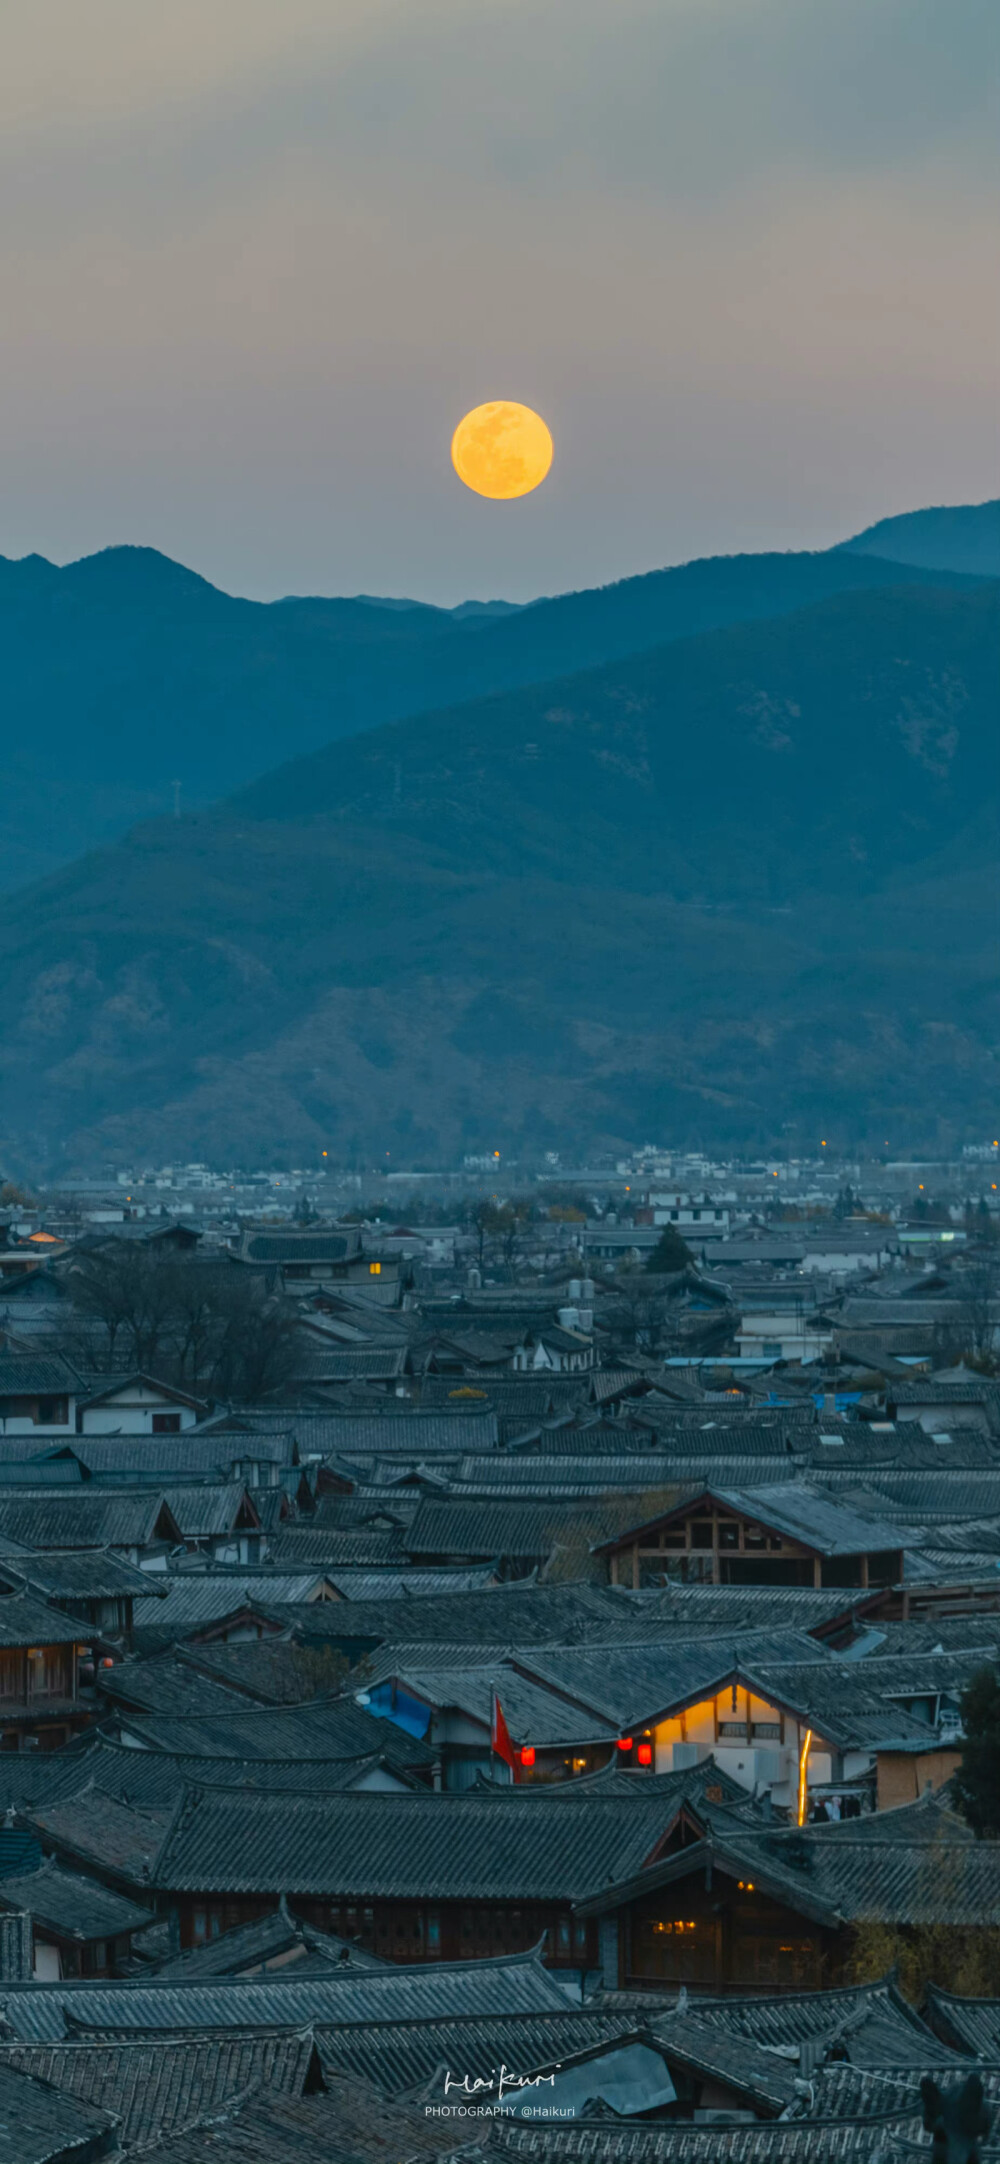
{"x":51,"y":1413}
{"x":166,"y":1423}
{"x":374,"y":1269}
{"x":701,"y":1533}
{"x":47,"y":1672}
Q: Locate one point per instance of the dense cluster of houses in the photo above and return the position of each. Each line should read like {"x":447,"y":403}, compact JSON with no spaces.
{"x":560,"y":1674}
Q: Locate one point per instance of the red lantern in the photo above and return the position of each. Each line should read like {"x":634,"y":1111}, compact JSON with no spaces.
{"x":644,"y":1754}
{"x":527,"y":1754}
{"x":624,"y":1743}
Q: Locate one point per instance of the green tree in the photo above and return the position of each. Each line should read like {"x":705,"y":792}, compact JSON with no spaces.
{"x":670,"y":1253}
{"x":977,"y":1782}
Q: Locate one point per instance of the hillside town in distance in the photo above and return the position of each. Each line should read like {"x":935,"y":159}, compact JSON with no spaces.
{"x":501,"y":1663}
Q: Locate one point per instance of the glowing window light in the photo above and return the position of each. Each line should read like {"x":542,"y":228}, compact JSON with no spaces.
{"x":803,"y":1797}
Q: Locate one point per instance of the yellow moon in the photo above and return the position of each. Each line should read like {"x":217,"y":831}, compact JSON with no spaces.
{"x":501,"y":449}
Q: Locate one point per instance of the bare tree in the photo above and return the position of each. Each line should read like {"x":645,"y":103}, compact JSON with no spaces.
{"x":977,"y":1287}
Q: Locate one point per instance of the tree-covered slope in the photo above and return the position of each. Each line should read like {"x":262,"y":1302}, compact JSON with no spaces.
{"x":739,"y":888}
{"x":125,"y":675}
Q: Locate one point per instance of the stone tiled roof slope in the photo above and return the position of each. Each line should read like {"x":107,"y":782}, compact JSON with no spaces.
{"x":838,"y":2141}
{"x":238,"y":1952}
{"x":474,"y":1846}
{"x":27,"y":1621}
{"x":401,"y":2056}
{"x":153,"y":2088}
{"x":972,"y":2025}
{"x":37,"y":2123}
{"x":872,"y":2023}
{"x":45,"y":1375}
{"x":341,"y":1729}
{"x":515,"y":1984}
{"x":71,"y":1905}
{"x":633,"y":1684}
{"x":354,"y":2124}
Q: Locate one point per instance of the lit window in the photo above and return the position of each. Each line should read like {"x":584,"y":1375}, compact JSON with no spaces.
{"x":375,"y":1269}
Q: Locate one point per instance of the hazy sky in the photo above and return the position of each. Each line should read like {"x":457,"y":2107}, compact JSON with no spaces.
{"x":258,"y":257}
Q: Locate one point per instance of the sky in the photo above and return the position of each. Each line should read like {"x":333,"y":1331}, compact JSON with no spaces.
{"x":259,"y":256}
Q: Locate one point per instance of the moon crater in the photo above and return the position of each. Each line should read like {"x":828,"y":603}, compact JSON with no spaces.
{"x":501,"y":449}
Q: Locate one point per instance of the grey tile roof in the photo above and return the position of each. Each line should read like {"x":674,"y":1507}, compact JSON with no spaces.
{"x":924,"y":1497}
{"x":182,"y":1601}
{"x":521,"y":1614}
{"x":30,"y":1375}
{"x":515,"y":1984}
{"x":842,"y":2091}
{"x":27,"y":1621}
{"x":304,"y":1544}
{"x":483,"y":1531}
{"x":533,"y":1715}
{"x":203,"y":1509}
{"x":633,"y":1685}
{"x":971,"y":2025}
{"x":374,"y":1364}
{"x":409,"y":1581}
{"x":116,"y":1519}
{"x":72,"y":1906}
{"x":353,"y":2124}
{"x":516,"y":1843}
{"x":155,"y":1780}
{"x":832,"y":1528}
{"x":243,"y":1950}
{"x":153,"y":2089}
{"x":840,"y":2141}
{"x":915,"y":1865}
{"x":101,"y":1834}
{"x":730,"y":1607}
{"x":270,"y":1670}
{"x":400,"y":2056}
{"x":285,"y":1247}
{"x":131,"y":1458}
{"x":873,"y":2023}
{"x":166,"y":1684}
{"x":83,"y":1574}
{"x":317,"y":1730}
{"x":348,"y":1435}
{"x":38,"y":2125}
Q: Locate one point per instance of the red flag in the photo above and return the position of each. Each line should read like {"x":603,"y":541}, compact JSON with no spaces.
{"x":500,"y":1742}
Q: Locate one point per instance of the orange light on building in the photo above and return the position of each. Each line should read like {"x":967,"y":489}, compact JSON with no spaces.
{"x":527,"y":1754}
{"x":803,"y":1797}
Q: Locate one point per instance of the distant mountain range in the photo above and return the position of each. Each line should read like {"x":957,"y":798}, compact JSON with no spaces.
{"x":736,"y":888}
{"x":952,"y":537}
{"x":130,"y":683}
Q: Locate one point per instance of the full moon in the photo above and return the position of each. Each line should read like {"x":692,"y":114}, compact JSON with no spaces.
{"x":501,"y":449}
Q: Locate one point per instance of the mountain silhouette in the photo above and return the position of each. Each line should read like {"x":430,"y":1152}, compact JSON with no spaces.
{"x":128,"y":680}
{"x":735,"y":889}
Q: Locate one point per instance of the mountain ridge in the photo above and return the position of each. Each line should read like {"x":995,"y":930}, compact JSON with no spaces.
{"x":720,"y":890}
{"x":127,"y":677}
